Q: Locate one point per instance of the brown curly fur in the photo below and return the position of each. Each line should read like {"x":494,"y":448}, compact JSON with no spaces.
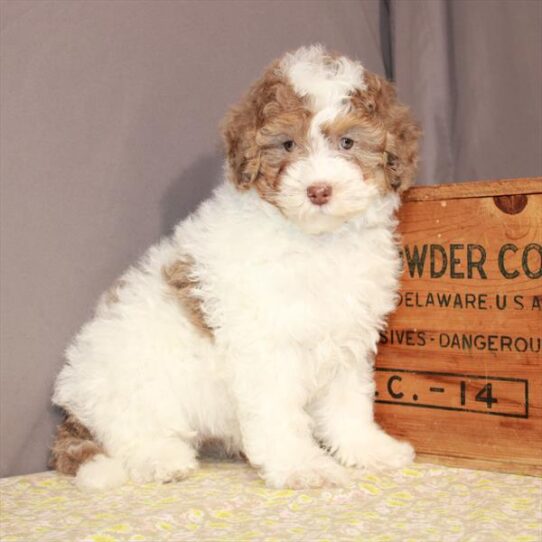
{"x":180,"y":278}
{"x":73,"y":446}
{"x":253,"y":131}
{"x":379,"y":108}
{"x":271,"y":112}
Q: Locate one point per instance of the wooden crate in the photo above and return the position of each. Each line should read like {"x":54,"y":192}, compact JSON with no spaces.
{"x":459,"y":369}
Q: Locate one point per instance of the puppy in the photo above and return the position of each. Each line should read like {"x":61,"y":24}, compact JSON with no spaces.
{"x":255,"y":324}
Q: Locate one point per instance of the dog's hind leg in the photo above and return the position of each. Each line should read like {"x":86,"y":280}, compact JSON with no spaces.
{"x":74,"y":445}
{"x":100,"y":473}
{"x":155,"y":460}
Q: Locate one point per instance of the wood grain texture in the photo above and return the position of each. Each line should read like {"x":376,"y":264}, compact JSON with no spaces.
{"x":480,"y":464}
{"x":464,"y":381}
{"x":474,"y":189}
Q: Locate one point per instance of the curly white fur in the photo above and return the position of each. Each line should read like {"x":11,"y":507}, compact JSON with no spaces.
{"x":295,"y":318}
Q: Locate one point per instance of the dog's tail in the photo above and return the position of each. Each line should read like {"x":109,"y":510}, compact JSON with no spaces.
{"x":75,"y":452}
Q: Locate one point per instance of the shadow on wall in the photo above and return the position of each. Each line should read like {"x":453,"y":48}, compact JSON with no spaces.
{"x":193,"y":186}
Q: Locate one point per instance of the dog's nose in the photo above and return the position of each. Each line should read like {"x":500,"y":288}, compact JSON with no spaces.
{"x":319,"y":193}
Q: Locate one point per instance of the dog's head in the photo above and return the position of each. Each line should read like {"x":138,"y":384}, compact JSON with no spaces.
{"x":320,"y":138}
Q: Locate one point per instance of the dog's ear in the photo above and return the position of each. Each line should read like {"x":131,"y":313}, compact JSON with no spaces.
{"x":243,"y":122}
{"x":402,"y":132}
{"x":241,"y":125}
{"x":239,"y":136}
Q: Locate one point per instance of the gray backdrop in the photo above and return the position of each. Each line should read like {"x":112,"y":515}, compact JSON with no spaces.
{"x":108,"y":126}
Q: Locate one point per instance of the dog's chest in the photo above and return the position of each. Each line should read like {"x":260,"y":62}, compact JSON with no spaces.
{"x":341,"y":283}
{"x":331,"y":288}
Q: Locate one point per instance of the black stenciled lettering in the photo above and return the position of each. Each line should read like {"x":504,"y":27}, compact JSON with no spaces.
{"x":478,"y":264}
{"x":434,"y":250}
{"x":415,"y":260}
{"x":475,"y":393}
{"x":485,"y":395}
{"x":491,"y":343}
{"x":537,"y":273}
{"x":463,"y":391}
{"x":467,"y":300}
{"x":421,"y":338}
{"x":391,"y":391}
{"x":518,"y":302}
{"x":444,"y":299}
{"x":509,"y":247}
{"x":408,"y":337}
{"x":537,"y":303}
{"x":506,"y":343}
{"x":480,"y":342}
{"x":521,"y":344}
{"x":455,"y":261}
{"x":458,"y":301}
{"x":466,"y":342}
{"x":501,"y":301}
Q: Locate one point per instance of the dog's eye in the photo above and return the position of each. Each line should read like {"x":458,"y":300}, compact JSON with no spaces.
{"x":346,"y":143}
{"x":289,"y":145}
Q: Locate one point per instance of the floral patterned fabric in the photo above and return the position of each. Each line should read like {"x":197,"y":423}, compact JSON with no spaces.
{"x":228,"y":502}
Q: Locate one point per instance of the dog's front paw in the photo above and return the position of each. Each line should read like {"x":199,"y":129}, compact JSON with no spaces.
{"x":320,"y":472}
{"x":376,"y":450}
{"x":162,"y":461}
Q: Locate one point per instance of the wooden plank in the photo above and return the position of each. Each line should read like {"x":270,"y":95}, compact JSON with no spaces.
{"x":459,"y":369}
{"x":474,"y":189}
{"x":479,"y":464}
